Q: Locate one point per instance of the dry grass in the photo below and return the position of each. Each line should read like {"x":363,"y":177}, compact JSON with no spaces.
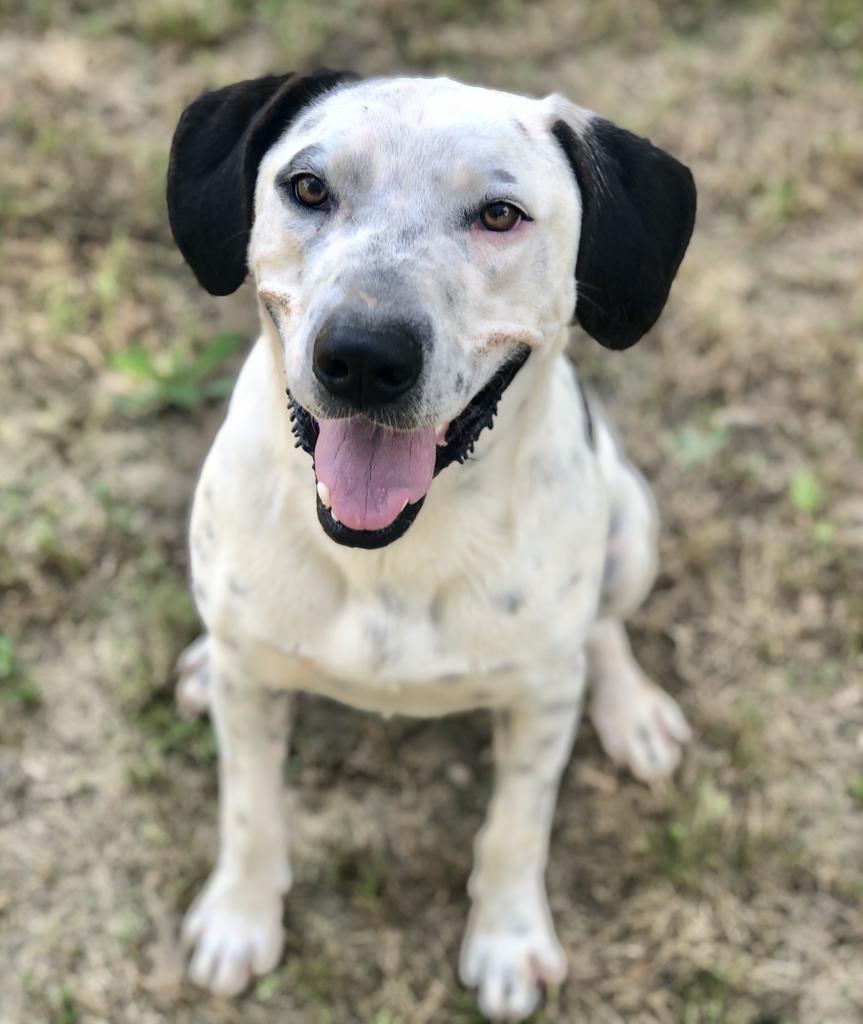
{"x":733,"y":896}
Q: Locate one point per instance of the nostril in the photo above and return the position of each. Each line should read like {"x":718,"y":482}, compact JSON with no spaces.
{"x":334,"y":369}
{"x":392,"y":376}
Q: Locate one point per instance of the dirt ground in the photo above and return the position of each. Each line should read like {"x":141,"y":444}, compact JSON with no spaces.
{"x":734,"y":895}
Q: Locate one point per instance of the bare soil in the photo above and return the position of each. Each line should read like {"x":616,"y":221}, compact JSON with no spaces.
{"x":733,"y":895}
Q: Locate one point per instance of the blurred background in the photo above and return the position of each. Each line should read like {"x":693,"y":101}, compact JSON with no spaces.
{"x":733,"y":895}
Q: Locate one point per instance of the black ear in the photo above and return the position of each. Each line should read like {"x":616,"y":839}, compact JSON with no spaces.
{"x":638,"y":213}
{"x":217,"y":148}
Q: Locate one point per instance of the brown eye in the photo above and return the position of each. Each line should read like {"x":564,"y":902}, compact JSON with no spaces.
{"x":310,"y":190}
{"x":500,"y":217}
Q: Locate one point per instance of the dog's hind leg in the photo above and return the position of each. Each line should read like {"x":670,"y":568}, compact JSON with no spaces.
{"x":638,"y":724}
{"x":632,"y":553}
{"x":192,"y":691}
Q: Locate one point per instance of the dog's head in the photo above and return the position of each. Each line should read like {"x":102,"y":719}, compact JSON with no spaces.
{"x":412,"y":242}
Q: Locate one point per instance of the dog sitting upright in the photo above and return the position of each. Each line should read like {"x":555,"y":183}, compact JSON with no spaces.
{"x":418,"y":248}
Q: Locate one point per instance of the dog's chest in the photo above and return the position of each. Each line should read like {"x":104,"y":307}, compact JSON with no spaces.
{"x":396,"y":650}
{"x":403,"y":646}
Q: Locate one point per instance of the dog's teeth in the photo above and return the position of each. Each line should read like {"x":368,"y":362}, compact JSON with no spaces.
{"x":335,"y":518}
{"x":440,"y":433}
{"x":404,"y":506}
{"x":324,"y":494}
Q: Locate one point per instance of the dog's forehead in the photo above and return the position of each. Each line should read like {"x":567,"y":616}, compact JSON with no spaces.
{"x":436,"y":119}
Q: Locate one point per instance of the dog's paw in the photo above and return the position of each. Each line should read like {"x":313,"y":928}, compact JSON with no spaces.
{"x":233,"y":932}
{"x":509,"y":961}
{"x":641,"y":727}
{"x":192,"y":691}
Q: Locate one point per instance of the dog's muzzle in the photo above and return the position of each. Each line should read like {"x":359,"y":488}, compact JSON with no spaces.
{"x":371,"y":479}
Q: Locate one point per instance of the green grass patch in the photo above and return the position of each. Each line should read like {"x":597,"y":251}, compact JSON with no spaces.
{"x":185,"y":378}
{"x":806,"y":492}
{"x":698,"y":835}
{"x":15,"y":685}
{"x":695,"y":446}
{"x":855,"y":788}
{"x":67,"y":1008}
{"x":705,"y":999}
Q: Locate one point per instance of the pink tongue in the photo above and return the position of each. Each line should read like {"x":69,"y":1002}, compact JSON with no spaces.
{"x":371,"y":472}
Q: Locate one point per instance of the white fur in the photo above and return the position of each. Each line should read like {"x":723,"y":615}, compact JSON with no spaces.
{"x":491,"y":598}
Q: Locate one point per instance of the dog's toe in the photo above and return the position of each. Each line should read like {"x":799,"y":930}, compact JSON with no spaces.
{"x":234,"y":932}
{"x":647,"y":734}
{"x":510,"y":964}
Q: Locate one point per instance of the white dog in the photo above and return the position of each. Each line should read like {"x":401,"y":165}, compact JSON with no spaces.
{"x":418,"y":249}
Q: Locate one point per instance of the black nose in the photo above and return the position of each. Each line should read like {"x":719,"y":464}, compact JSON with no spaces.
{"x":367,"y":367}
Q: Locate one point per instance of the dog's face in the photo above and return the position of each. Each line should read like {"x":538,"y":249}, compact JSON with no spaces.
{"x":412,"y":242}
{"x":438,"y":212}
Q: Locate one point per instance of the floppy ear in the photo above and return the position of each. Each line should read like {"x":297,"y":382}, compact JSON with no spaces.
{"x":217,"y":148}
{"x":638,"y":210}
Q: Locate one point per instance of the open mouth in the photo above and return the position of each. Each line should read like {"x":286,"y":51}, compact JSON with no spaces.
{"x":371,"y":480}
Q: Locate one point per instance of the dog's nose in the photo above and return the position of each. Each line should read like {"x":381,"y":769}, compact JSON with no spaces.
{"x":367,"y":367}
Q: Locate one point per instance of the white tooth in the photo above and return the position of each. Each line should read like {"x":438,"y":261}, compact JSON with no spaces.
{"x":404,"y":506}
{"x":335,"y":518}
{"x":324,"y":494}
{"x":440,"y":432}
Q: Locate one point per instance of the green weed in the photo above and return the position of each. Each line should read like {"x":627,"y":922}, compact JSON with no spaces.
{"x":855,"y":788}
{"x":15,"y":685}
{"x":183,"y":379}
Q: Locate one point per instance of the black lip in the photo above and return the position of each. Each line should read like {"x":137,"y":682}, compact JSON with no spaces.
{"x":462,"y":435}
{"x":479,"y":413}
{"x":368,"y":539}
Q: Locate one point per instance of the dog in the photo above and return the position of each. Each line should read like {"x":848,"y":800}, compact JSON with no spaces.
{"x":411,"y":506}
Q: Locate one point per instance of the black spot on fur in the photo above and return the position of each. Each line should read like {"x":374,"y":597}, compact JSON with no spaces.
{"x":547,"y":740}
{"x":379,"y":647}
{"x":407,"y":236}
{"x":437,"y":608}
{"x":572,"y":581}
{"x":510,"y":602}
{"x":391,"y":601}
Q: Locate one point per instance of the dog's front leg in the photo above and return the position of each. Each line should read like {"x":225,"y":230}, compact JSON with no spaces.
{"x":235,"y":926}
{"x":510,"y":947}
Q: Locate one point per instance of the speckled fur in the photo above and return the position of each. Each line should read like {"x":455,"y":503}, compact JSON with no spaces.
{"x":492,"y":597}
